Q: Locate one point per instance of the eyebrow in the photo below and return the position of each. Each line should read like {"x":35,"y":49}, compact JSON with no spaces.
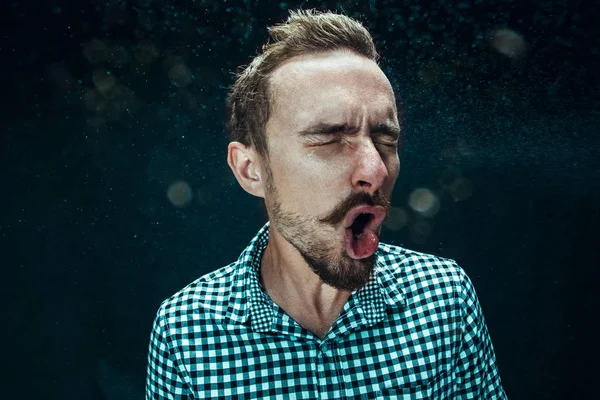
{"x":325,"y":129}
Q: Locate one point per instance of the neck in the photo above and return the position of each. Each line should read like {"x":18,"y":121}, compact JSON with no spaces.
{"x":293,"y":286}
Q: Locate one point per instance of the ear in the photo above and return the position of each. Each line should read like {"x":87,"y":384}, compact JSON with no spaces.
{"x":243,"y":161}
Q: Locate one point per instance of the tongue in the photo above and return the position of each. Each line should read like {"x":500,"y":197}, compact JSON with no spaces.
{"x":362,"y":247}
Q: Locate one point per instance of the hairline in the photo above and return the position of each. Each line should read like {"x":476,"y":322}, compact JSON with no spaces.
{"x":270,"y":89}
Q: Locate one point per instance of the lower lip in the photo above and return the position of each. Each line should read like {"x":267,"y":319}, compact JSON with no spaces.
{"x":348,"y":238}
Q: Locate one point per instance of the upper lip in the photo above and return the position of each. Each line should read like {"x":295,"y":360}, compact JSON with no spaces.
{"x":378,"y":213}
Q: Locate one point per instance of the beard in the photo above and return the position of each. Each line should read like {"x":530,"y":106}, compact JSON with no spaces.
{"x":323,"y":252}
{"x":344,"y":274}
{"x":320,"y":243}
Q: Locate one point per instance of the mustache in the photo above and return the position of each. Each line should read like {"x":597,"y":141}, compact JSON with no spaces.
{"x":354,"y":200}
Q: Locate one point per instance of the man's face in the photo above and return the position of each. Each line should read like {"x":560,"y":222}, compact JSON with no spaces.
{"x":317,"y":175}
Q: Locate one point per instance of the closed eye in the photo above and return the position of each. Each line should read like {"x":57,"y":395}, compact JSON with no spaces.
{"x":337,"y":141}
{"x":321,"y":131}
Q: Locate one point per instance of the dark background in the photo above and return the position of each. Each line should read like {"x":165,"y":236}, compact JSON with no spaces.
{"x":106,"y":104}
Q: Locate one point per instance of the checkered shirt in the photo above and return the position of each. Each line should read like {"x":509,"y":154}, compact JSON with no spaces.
{"x":415,"y":331}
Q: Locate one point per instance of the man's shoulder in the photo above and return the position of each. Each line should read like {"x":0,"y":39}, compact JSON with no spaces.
{"x":207,"y":295}
{"x":417,"y":269}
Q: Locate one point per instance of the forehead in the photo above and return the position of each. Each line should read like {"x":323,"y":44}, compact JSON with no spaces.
{"x":337,"y":86}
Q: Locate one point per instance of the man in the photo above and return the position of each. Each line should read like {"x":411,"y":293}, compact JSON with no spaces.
{"x":316,"y":307}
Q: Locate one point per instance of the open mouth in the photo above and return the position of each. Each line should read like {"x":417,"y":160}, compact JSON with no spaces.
{"x":364,"y":218}
{"x":359,"y":224}
{"x":361,"y":236}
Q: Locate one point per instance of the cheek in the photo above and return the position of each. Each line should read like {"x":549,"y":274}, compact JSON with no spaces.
{"x":396,"y":167}
{"x":309,"y":187}
{"x":393,"y":171}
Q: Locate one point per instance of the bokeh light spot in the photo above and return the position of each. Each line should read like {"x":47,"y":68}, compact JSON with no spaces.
{"x":424,"y":201}
{"x":103,"y":80}
{"x":180,"y":194}
{"x":508,"y":42}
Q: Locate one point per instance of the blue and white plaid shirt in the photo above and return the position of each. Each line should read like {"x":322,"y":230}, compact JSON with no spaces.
{"x":415,"y":331}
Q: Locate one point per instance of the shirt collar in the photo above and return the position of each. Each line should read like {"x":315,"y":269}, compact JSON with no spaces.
{"x":247,"y":297}
{"x":249,"y":300}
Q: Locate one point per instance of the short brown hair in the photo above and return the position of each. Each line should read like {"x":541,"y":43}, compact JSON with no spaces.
{"x":304,"y":32}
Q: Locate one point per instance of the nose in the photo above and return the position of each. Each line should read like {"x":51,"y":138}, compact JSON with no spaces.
{"x":371,"y":171}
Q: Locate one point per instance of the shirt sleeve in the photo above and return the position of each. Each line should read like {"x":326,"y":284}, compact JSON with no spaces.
{"x":476,"y":373}
{"x":163,"y":380}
